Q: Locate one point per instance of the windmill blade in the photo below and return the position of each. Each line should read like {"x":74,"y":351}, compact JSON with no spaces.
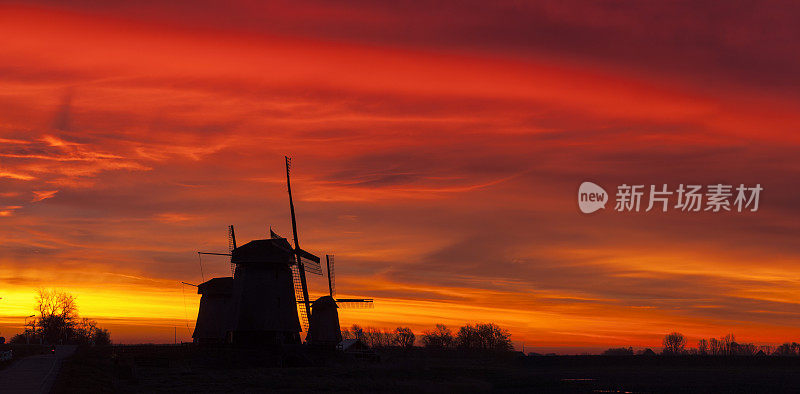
{"x":310,"y":262}
{"x":331,"y":275}
{"x":355,"y":303}
{"x":298,"y":294}
{"x":273,"y":234}
{"x":232,"y":246}
{"x":301,"y":272}
{"x":311,"y":267}
{"x":307,"y":256}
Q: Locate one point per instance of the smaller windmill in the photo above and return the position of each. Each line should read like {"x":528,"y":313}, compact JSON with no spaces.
{"x":324,"y":330}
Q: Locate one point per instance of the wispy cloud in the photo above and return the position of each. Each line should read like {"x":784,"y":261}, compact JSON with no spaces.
{"x":40,"y":195}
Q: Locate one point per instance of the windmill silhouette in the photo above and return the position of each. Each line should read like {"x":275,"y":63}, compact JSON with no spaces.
{"x":265,"y":300}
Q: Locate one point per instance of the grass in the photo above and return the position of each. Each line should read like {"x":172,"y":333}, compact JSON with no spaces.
{"x":89,"y":370}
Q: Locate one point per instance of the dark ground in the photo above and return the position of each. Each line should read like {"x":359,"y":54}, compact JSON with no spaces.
{"x":21,"y":351}
{"x":186,"y":369}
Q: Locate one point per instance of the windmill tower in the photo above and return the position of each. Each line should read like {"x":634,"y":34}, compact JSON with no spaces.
{"x":264,"y":306}
{"x":215,"y":315}
{"x":324,"y":329}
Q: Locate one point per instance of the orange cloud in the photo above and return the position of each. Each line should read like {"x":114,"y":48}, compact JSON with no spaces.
{"x":40,"y":195}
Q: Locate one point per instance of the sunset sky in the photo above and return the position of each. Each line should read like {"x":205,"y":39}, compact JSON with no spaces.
{"x":437,"y":153}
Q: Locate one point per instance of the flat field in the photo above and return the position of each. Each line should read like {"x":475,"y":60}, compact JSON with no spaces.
{"x":187,"y":369}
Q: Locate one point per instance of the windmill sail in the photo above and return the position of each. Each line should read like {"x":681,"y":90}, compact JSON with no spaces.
{"x":309,"y":261}
{"x":331,"y":275}
{"x":301,"y":272}
{"x":231,"y":247}
{"x":356,"y":303}
{"x":346,"y":303}
{"x":298,"y":294}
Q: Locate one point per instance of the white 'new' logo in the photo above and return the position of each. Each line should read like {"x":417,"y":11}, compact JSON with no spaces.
{"x":591,"y":197}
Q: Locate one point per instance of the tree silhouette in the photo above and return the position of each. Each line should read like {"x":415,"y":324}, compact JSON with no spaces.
{"x":404,"y":337}
{"x":484,"y":336}
{"x":58,"y":322}
{"x":440,"y":337}
{"x":619,"y":351}
{"x":702,"y":347}
{"x":674,"y":344}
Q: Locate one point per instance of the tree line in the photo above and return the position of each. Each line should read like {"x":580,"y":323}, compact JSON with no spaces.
{"x":58,"y":322}
{"x":480,"y":336}
{"x":675,"y":344}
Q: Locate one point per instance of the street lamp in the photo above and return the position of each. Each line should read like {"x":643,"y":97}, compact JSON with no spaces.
{"x":27,"y":335}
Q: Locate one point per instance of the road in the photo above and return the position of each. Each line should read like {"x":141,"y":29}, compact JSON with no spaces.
{"x":33,"y":374}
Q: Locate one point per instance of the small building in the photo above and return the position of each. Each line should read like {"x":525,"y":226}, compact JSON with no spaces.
{"x":352,"y":345}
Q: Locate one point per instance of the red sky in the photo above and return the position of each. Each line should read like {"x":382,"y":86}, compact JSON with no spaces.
{"x":437,"y":154}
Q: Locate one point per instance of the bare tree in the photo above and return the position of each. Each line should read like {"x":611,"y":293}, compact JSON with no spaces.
{"x":728,"y":342}
{"x":715,"y":347}
{"x":744,"y":349}
{"x":702,"y":347}
{"x":388,"y":338}
{"x":355,"y":332}
{"x":674,"y":343}
{"x":58,"y":313}
{"x":619,"y":351}
{"x":787,"y":349}
{"x":404,"y":337}
{"x":58,"y":322}
{"x":484,"y":336}
{"x":440,"y":337}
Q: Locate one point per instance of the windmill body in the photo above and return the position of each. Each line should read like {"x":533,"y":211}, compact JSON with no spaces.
{"x":214,"y":319}
{"x":324,"y":329}
{"x":264,"y":305}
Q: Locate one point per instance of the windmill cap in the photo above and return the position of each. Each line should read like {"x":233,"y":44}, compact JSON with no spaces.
{"x":275,"y":250}
{"x":324,"y":301}
{"x":216,"y":286}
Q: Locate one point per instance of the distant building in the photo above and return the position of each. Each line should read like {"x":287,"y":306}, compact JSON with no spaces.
{"x":352,"y":345}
